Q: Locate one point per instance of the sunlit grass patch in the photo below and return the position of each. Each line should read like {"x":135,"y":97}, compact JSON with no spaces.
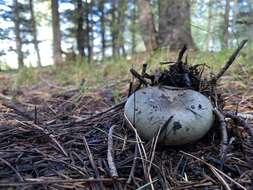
{"x":100,"y":74}
{"x":25,"y":76}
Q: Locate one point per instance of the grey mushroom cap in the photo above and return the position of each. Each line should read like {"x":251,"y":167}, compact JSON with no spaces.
{"x":149,"y":108}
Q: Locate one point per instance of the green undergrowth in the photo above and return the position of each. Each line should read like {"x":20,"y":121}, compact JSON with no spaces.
{"x":103,"y":73}
{"x":25,"y":77}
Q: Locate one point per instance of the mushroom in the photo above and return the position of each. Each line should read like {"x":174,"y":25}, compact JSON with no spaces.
{"x":191,"y":113}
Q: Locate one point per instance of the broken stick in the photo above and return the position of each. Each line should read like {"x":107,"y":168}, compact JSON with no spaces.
{"x":20,"y":110}
{"x":139,"y":77}
{"x":224,"y":134}
{"x":228,"y":63}
{"x":110,"y":155}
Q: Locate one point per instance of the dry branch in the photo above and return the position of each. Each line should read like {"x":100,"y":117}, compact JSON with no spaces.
{"x":181,"y":54}
{"x":37,"y":181}
{"x":110,"y":155}
{"x":112,"y":108}
{"x":139,"y":77}
{"x":93,"y":164}
{"x":228,"y":63}
{"x":223,"y":132}
{"x":131,"y":175}
{"x":19,"y":109}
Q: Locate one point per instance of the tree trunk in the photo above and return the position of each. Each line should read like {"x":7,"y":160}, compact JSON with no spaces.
{"x":114,"y":29}
{"x":209,"y":25}
{"x":102,"y":26}
{"x":235,"y":9}
{"x":87,"y":23}
{"x":226,"y":24}
{"x":89,"y":30}
{"x":174,"y":24}
{"x":133,"y":28}
{"x":57,"y":53}
{"x":34,"y":33}
{"x":147,"y":25}
{"x":80,"y":33}
{"x":235,"y":14}
{"x":121,"y":26}
{"x":17,"y":34}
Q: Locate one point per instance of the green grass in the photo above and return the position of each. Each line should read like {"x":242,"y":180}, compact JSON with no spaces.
{"x":100,"y":74}
{"x":25,"y":77}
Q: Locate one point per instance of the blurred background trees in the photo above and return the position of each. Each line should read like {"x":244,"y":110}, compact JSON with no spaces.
{"x":34,"y":31}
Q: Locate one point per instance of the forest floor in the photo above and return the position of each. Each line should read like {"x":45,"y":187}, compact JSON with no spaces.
{"x":54,"y":132}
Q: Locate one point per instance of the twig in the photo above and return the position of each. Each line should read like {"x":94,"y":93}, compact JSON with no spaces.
{"x":51,"y":136}
{"x":156,"y":137}
{"x":45,"y":132}
{"x":139,"y":77}
{"x":37,"y":181}
{"x":144,"y":69}
{"x":181,"y":54}
{"x":147,"y":184}
{"x":3,"y":97}
{"x":92,"y":161}
{"x":90,"y":157}
{"x":110,"y":155}
{"x":131,"y":175}
{"x":240,"y":120}
{"x":19,"y":110}
{"x":50,"y":84}
{"x":130,"y":89}
{"x":142,"y":151}
{"x":221,"y":179}
{"x":121,"y":104}
{"x":10,"y":166}
{"x":228,"y":63}
{"x":224,"y":134}
{"x":35,"y":115}
{"x":216,"y":169}
{"x":167,"y":62}
{"x":197,"y":185}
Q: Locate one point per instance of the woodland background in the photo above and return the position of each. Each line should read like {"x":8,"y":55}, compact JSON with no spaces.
{"x":67,"y":66}
{"x":43,"y":32}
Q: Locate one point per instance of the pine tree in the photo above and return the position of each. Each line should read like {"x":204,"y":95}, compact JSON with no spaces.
{"x":34,"y":32}
{"x":174,"y":24}
{"x":226,"y":25}
{"x":57,"y":51}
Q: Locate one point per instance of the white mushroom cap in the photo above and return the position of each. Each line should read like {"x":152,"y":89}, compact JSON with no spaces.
{"x":192,"y":114}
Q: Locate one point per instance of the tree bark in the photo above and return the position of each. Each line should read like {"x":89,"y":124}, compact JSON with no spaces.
{"x":80,"y":33}
{"x":102,"y":27}
{"x":133,"y":28}
{"x":89,"y":30}
{"x":226,"y":24}
{"x":235,"y":14}
{"x":18,"y":40}
{"x":209,"y":25}
{"x":121,"y":26}
{"x":235,"y":9}
{"x":174,"y":24}
{"x":34,"y":33}
{"x":147,"y":25}
{"x":57,"y":52}
{"x":114,"y":33}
